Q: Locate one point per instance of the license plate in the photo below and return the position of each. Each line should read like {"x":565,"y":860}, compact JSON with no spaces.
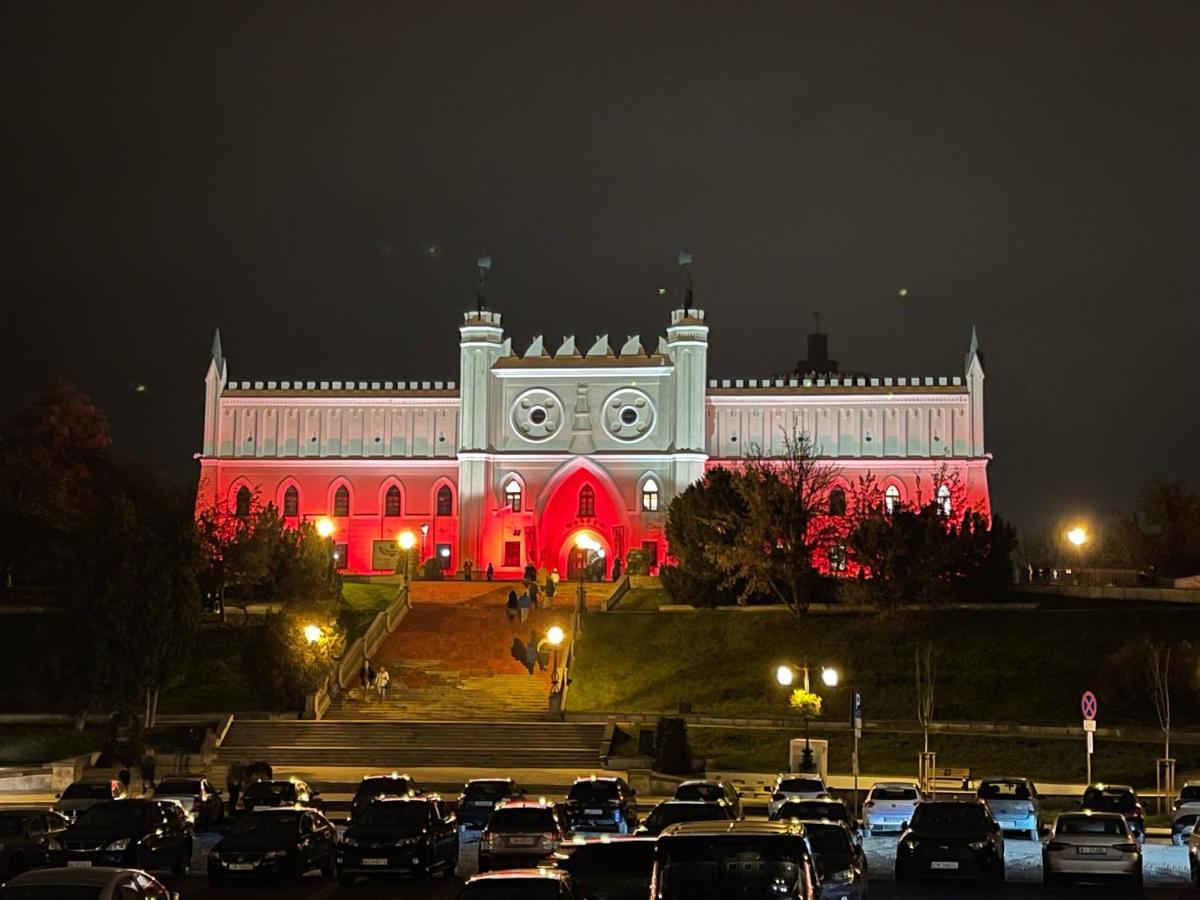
{"x":375,"y":862}
{"x":593,"y":812}
{"x":1007,"y":824}
{"x":79,"y":864}
{"x":241,"y":867}
{"x":521,"y":841}
{"x":944,"y":866}
{"x":481,"y":803}
{"x":1090,"y":851}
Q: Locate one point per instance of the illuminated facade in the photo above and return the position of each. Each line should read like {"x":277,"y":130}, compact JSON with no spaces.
{"x":529,"y":456}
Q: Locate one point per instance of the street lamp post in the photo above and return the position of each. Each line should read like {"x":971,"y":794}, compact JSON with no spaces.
{"x":407,"y":540}
{"x":554,"y":637}
{"x":1077,"y":537}
{"x":785,"y":676}
{"x":424,"y":534}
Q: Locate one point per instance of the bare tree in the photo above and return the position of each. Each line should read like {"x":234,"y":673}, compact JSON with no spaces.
{"x":1158,"y":676}
{"x":926,"y":676}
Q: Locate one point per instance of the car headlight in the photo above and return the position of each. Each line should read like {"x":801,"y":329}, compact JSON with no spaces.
{"x":275,"y":854}
{"x":977,"y":845}
{"x":911,"y":844}
{"x":349,"y":842}
{"x":214,"y":855}
{"x":56,"y":846}
{"x":122,"y":844}
{"x":843,"y":877}
{"x":409,"y":841}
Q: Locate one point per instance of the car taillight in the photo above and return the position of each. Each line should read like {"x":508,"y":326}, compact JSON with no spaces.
{"x":1058,"y":845}
{"x":1137,"y":810}
{"x":870,"y":804}
{"x":547,"y":841}
{"x":485,"y":841}
{"x":1126,"y":848}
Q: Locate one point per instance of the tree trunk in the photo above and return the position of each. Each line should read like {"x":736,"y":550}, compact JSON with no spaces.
{"x":146,"y":712}
{"x":154,"y":710}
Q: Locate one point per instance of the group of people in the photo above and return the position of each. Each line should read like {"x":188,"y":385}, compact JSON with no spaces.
{"x":530,"y":653}
{"x":372,"y":681}
{"x":535,"y":585}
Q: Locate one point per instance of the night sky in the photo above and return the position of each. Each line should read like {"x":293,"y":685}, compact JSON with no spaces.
{"x":318,"y":182}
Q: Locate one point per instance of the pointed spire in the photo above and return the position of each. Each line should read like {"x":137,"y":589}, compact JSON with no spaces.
{"x":974,"y":354}
{"x":632,"y":346}
{"x":600,"y":348}
{"x":567,"y":348}
{"x":537,"y":347}
{"x":216,"y":366}
{"x":216,"y":347}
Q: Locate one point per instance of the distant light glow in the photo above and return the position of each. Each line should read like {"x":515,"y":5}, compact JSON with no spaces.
{"x":555,"y":635}
{"x":325,"y":526}
{"x":1077,"y":536}
{"x":829,"y":677}
{"x":785,"y":675}
{"x":313,"y":633}
{"x":903,"y":292}
{"x":407,"y":540}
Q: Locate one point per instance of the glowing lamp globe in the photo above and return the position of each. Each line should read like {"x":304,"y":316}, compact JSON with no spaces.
{"x":785,"y":675}
{"x":407,"y":540}
{"x":1077,"y":536}
{"x":325,"y":527}
{"x":555,"y":635}
{"x":313,"y":633}
{"x":829,"y":677}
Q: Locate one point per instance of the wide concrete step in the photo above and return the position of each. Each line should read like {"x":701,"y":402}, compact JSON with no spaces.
{"x":389,"y":759}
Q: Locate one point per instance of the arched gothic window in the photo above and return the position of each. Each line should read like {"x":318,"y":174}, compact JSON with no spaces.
{"x":291,"y":502}
{"x":587,"y":501}
{"x":391,"y":501}
{"x":241,"y":502}
{"x":944,"y":506}
{"x":341,"y":501}
{"x":891,"y":500}
{"x":445,"y":501}
{"x":650,"y":496}
{"x":512,"y":495}
{"x":837,"y":502}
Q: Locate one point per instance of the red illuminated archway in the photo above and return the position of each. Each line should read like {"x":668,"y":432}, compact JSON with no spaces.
{"x":581,"y":498}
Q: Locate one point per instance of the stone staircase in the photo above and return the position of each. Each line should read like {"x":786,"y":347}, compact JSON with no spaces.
{"x":385,"y":746}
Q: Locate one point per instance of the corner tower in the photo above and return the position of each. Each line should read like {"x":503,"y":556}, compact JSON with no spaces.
{"x":687,"y":347}
{"x":481,"y":343}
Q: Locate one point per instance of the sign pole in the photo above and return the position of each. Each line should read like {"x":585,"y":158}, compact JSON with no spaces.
{"x":855,"y":723}
{"x":1089,"y":706}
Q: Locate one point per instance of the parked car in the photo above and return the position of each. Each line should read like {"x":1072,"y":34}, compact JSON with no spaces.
{"x":99,"y":883}
{"x":889,"y":805}
{"x":25,"y":836}
{"x":829,"y":810}
{"x":795,"y":787}
{"x":1092,"y":845}
{"x":669,"y":812}
{"x":201,"y":801}
{"x":956,"y":838}
{"x":86,"y":793}
{"x":1014,"y":803}
{"x":610,"y":868}
{"x":1194,"y":857}
{"x":521,"y":884}
{"x":271,"y":794}
{"x":137,"y":834}
{"x":1118,"y":798}
{"x":275,"y":842}
{"x":1185,"y":812}
{"x":840,"y":860}
{"x":601,"y":805}
{"x":479,"y":798}
{"x":400,"y":836}
{"x":521,"y":833}
{"x":710,"y":792}
{"x":747,"y":859}
{"x":375,"y":786}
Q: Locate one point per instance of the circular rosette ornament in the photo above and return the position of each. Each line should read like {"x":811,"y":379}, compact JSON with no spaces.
{"x":537,"y":415}
{"x":628,"y":415}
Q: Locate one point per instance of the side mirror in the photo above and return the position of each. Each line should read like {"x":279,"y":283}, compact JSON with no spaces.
{"x":994,"y":827}
{"x":58,"y":796}
{"x":904,"y":825}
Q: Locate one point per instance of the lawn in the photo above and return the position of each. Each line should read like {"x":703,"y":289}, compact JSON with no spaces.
{"x":364,"y":601}
{"x":1001,"y":666}
{"x":217,"y":682}
{"x":766,"y":750}
{"x":22,"y":745}
{"x":643,"y":599}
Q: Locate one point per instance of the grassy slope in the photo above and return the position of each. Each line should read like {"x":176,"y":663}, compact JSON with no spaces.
{"x":363,"y":603}
{"x":643,"y":599}
{"x":1027,"y":667}
{"x":29,"y":744}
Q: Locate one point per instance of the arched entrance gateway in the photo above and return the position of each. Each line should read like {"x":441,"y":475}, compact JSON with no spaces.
{"x":583,"y":522}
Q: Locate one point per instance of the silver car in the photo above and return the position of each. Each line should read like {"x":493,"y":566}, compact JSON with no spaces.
{"x":1014,"y":803}
{"x":1185,"y":813}
{"x":86,"y":793}
{"x":889,"y":806}
{"x":1088,"y":846}
{"x":99,"y":883}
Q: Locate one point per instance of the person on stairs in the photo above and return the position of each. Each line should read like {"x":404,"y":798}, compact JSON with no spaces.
{"x":382,"y":681}
{"x":512,"y":609}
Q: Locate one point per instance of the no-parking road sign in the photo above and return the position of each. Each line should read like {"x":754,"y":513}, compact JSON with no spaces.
{"x":1088,"y":705}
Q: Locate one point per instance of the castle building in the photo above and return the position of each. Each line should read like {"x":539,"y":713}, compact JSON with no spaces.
{"x":555,"y":458}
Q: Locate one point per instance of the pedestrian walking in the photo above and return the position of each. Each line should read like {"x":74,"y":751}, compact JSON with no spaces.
{"x":512,"y":609}
{"x":364,"y":675}
{"x":148,"y":770}
{"x":551,"y":585}
{"x":124,"y":778}
{"x":383,"y":680}
{"x":233,"y":784}
{"x":467,"y":566}
{"x":616,"y":570}
{"x":530,"y":572}
{"x":490,"y":572}
{"x":533,"y":594}
{"x":524,"y":603}
{"x":372,"y":678}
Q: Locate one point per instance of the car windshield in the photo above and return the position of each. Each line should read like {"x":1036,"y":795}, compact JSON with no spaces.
{"x":271,"y":790}
{"x":706,"y":792}
{"x":948,"y":817}
{"x":594,"y":792}
{"x":1111,"y":827}
{"x":610,"y":857}
{"x":744,"y":867}
{"x":893,"y":793}
{"x":1109,"y":801}
{"x":524,"y":819}
{"x":88,"y":792}
{"x":13,"y":824}
{"x":382,"y":814}
{"x":114,"y":814}
{"x":830,"y":841}
{"x":50,"y":892}
{"x":375,"y":787}
{"x":487,"y":790}
{"x":669,"y":813}
{"x":814,"y":809}
{"x":1191,"y":792}
{"x":801,"y":786}
{"x":267,"y":823}
{"x":1004,"y":790}
{"x":512,"y":889}
{"x":177,"y":787}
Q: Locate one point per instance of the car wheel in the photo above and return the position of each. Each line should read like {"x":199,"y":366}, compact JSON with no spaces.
{"x":183,"y":861}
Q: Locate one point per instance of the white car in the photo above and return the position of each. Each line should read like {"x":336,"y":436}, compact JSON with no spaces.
{"x":97,"y":883}
{"x":795,"y":787}
{"x":889,"y":805}
{"x":1014,"y":803}
{"x":1186,"y":813}
{"x":1087,"y":846}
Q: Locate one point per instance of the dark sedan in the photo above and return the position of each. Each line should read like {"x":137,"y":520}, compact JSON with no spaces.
{"x":610,"y":868}
{"x":275,"y":843}
{"x":25,"y":836}
{"x":373,"y":787}
{"x":668,"y":812}
{"x":952,"y":839}
{"x":1117,"y":798}
{"x":268,"y":794}
{"x":833,"y":810}
{"x":399,"y":836}
{"x":136,"y":834}
{"x":479,"y":798}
